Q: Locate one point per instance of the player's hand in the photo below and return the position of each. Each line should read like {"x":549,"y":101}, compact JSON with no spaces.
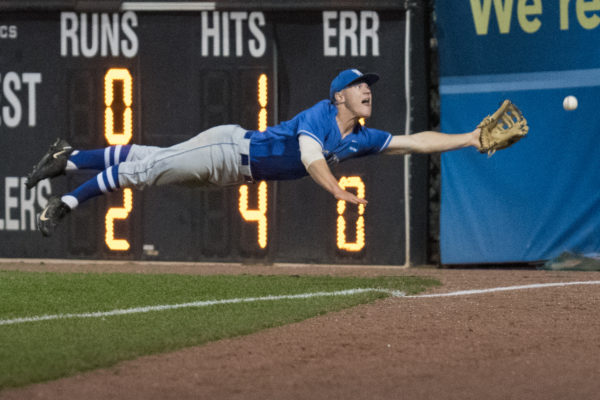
{"x":349,"y":197}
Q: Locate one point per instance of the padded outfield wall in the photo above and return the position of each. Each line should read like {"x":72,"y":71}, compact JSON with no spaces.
{"x":541,"y":197}
{"x":177,"y":68}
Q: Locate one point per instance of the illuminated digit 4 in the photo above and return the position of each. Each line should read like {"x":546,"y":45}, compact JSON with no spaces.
{"x":259,"y":215}
{"x":359,"y":244}
{"x":114,"y":138}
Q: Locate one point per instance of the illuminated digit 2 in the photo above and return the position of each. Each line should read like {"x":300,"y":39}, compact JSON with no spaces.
{"x":114,"y":138}
{"x":342,"y":244}
{"x":259,"y":215}
{"x":118,"y":213}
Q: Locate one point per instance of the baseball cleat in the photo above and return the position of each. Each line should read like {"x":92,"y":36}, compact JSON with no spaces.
{"x":55,"y":210}
{"x":52,"y":164}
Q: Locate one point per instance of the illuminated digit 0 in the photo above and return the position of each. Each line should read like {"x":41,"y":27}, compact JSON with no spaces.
{"x":118,"y":213}
{"x":113,"y":138}
{"x":112,"y":75}
{"x":259,"y":215}
{"x":342,"y":244}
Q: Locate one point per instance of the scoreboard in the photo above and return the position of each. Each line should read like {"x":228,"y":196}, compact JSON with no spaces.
{"x":157,"y":73}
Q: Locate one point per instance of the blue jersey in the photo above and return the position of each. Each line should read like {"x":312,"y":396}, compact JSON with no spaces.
{"x":275,"y":153}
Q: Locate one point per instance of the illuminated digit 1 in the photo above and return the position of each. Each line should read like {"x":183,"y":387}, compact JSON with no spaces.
{"x":259,"y":215}
{"x":356,"y":182}
{"x":262,"y":101}
{"x":113,"y":138}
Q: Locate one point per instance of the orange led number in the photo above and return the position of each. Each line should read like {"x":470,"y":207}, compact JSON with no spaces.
{"x":259,"y":215}
{"x":342,"y":244}
{"x":118,"y":213}
{"x":114,"y":138}
{"x":262,"y":101}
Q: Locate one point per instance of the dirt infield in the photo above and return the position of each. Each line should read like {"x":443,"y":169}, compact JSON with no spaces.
{"x":529,"y":344}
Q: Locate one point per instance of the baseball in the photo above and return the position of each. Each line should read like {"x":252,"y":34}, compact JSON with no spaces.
{"x":570,"y":103}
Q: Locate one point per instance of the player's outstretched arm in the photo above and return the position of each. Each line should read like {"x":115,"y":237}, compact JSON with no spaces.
{"x":311,"y":155}
{"x":432,"y":142}
{"x":320,"y":172}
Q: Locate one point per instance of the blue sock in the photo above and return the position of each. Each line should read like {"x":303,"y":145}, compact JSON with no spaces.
{"x":98,"y":159}
{"x":106,"y":181}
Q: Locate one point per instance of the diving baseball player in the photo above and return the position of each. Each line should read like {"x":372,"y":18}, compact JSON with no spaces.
{"x":328,"y":132}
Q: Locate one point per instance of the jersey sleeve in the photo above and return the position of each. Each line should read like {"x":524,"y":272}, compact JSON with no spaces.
{"x":311,"y":122}
{"x":377,"y":141}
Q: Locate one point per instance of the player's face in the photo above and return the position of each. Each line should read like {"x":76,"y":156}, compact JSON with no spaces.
{"x":358,"y":99}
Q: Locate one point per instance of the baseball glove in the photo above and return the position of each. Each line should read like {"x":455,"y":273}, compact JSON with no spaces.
{"x":502,"y":129}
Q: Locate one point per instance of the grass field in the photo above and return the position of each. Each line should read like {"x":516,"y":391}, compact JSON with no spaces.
{"x":67,"y":343}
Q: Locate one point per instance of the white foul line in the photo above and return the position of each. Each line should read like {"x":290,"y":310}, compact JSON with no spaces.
{"x":137,"y":310}
{"x":393,"y":293}
{"x":506,"y":289}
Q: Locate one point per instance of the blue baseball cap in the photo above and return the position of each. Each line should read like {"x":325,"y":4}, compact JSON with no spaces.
{"x":349,"y":77}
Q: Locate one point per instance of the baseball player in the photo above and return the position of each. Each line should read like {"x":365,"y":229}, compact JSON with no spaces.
{"x":327,"y":133}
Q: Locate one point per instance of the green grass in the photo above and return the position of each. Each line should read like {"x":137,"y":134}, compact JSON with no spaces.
{"x":45,"y":350}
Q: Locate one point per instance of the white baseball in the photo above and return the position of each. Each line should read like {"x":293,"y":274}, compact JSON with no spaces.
{"x":570,"y":103}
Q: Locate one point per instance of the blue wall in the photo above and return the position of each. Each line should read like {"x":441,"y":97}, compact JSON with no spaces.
{"x":542,"y":196}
